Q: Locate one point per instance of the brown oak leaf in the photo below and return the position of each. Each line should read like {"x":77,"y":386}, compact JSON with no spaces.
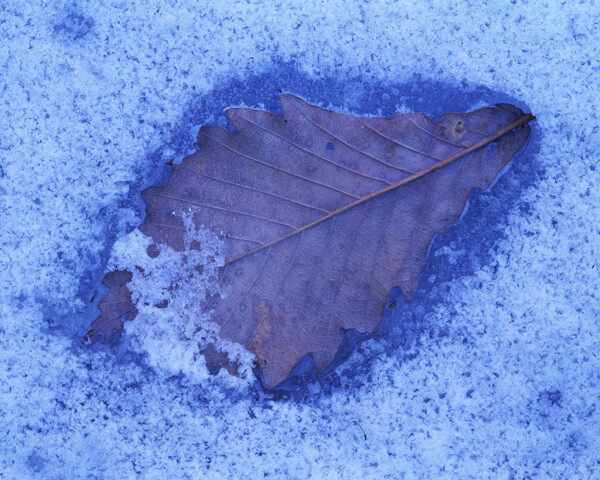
{"x":322,"y":214}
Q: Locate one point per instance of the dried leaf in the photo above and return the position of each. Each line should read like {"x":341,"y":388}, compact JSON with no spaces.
{"x":323,"y":214}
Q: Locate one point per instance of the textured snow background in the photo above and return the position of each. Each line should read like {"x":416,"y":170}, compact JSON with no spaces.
{"x":492,"y":371}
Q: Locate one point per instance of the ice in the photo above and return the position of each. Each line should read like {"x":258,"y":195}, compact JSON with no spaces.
{"x":170,"y":326}
{"x":491,"y":372}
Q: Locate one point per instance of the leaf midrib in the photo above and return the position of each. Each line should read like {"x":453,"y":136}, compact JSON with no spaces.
{"x":476,"y":146}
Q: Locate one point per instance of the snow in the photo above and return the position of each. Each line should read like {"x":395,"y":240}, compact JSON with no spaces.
{"x":491,"y":371}
{"x":170,"y":326}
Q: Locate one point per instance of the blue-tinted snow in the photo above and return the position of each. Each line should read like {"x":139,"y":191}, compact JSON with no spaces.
{"x":491,"y":371}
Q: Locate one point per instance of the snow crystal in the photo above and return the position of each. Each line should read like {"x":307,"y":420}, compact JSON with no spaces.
{"x":491,"y":371}
{"x":167,"y":289}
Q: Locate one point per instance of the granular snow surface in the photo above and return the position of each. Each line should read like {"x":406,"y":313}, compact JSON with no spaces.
{"x":491,"y":371}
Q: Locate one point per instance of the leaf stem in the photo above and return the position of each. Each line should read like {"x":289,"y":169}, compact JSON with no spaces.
{"x":476,"y":146}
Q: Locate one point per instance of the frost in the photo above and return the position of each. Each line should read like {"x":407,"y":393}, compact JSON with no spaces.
{"x":453,"y":255}
{"x":81,"y":120}
{"x":169,"y":290}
